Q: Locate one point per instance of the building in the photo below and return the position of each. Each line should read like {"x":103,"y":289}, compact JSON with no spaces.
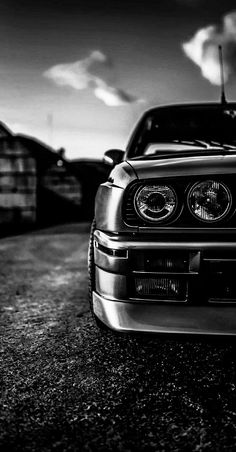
{"x":37,"y":185}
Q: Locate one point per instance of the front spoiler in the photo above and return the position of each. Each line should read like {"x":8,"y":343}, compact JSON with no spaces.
{"x":126,"y":316}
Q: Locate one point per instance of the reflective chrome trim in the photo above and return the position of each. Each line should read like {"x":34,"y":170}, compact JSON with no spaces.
{"x":113,"y":263}
{"x":147,"y":317}
{"x":121,"y":254}
{"x":132,"y":242}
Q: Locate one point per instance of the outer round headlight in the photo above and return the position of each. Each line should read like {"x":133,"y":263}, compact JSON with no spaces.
{"x":155,"y":202}
{"x":209,"y":200}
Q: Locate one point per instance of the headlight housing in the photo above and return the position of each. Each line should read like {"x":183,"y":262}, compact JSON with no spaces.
{"x":155,"y":202}
{"x":209,"y":200}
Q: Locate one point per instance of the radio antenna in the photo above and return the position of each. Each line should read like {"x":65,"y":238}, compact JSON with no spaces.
{"x":223,"y":98}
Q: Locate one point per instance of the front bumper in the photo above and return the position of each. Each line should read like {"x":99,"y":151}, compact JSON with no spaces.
{"x":201,"y":311}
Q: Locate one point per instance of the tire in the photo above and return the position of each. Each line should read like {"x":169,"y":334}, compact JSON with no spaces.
{"x":91,"y":276}
{"x":91,"y":265}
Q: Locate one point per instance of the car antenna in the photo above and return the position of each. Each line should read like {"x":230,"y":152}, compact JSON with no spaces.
{"x":223,"y":98}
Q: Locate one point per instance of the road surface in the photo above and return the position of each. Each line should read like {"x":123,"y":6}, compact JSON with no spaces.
{"x":67,"y":387}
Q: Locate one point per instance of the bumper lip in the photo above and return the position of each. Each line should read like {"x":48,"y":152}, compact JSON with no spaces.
{"x":127,"y":316}
{"x":113,"y":307}
{"x":121,"y":242}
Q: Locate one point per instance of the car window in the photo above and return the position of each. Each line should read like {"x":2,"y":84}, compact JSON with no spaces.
{"x":193,"y":126}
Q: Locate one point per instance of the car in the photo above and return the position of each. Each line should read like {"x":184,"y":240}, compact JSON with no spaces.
{"x":162,"y":252}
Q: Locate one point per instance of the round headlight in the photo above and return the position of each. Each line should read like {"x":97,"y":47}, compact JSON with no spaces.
{"x":209,"y":200}
{"x":155,"y":202}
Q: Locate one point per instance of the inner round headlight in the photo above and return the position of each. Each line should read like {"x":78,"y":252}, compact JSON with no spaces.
{"x":209,"y":200}
{"x":155,"y":202}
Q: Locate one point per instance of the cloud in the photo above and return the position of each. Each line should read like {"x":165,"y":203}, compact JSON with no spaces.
{"x":113,"y":97}
{"x":77,"y":75}
{"x":80,"y":75}
{"x":202,"y":49}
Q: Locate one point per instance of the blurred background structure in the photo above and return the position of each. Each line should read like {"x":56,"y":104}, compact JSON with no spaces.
{"x":38,"y":186}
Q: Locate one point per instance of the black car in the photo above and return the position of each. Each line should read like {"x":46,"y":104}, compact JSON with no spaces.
{"x":162,"y":255}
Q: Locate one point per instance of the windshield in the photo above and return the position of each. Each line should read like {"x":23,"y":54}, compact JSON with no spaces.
{"x":188,"y":127}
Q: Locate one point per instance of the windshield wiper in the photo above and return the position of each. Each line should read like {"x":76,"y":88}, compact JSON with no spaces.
{"x":196,"y":143}
{"x":226,"y":146}
{"x":202,"y":146}
{"x":208,"y":144}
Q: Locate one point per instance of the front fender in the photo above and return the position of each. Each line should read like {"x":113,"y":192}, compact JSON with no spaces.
{"x":109,"y":200}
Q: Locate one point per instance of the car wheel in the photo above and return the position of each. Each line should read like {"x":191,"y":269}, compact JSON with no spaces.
{"x":91,"y":275}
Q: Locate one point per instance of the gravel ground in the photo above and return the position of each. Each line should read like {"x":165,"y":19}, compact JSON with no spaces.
{"x":65,"y":386}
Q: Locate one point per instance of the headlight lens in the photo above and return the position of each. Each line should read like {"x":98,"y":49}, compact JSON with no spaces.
{"x":155,"y":202}
{"x":209,"y":201}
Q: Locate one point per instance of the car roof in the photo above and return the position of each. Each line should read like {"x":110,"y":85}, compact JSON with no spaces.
{"x":186,"y":105}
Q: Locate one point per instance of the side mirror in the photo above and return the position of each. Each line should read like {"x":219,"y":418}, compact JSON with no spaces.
{"x":113,"y":157}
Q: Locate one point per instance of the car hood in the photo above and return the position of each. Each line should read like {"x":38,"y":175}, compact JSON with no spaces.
{"x":181,"y":166}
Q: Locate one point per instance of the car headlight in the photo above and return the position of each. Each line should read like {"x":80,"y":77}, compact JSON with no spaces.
{"x":155,"y":202}
{"x":209,"y":200}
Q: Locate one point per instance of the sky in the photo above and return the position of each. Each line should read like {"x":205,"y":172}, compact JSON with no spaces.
{"x":78,"y":74}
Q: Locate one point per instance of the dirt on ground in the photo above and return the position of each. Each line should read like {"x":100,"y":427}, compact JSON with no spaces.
{"x":66,"y":386}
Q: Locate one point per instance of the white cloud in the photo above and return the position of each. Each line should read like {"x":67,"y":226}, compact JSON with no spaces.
{"x":113,"y":97}
{"x":79,"y":76}
{"x":202,"y":49}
